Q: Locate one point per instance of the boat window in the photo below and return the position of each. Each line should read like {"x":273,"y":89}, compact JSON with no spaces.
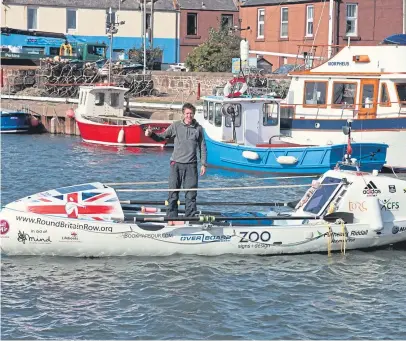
{"x":315,"y":93}
{"x":385,"y":99}
{"x":237,"y":108}
{"x":401,"y":89}
{"x":344,"y":94}
{"x":205,"y":109}
{"x":322,"y":195}
{"x":84,"y":97}
{"x":211,"y":112}
{"x":80,"y":97}
{"x":270,"y":114}
{"x":287,"y":111}
{"x":114,"y":96}
{"x":99,"y":98}
{"x":217,"y":115}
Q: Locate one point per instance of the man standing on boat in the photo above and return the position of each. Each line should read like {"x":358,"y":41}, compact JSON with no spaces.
{"x":189,"y":138}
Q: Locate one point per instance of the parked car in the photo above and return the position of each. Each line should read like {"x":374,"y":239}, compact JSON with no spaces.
{"x":178,"y":67}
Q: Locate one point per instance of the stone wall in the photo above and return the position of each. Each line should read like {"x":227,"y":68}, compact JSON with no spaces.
{"x":186,"y":83}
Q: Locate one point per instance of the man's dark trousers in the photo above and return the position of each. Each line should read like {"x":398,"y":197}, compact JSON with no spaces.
{"x":182,"y":174}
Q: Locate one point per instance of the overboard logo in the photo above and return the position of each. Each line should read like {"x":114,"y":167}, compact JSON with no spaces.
{"x":202,"y":238}
{"x":371,"y":190}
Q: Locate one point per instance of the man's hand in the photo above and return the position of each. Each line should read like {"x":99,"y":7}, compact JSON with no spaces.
{"x":202,"y":170}
{"x":148,"y":131}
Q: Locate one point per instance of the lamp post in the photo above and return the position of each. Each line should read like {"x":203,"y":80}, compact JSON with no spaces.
{"x":112,"y":30}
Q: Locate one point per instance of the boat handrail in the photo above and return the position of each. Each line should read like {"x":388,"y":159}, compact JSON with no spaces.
{"x":353,"y":108}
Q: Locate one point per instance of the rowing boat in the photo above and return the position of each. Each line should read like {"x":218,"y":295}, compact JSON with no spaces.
{"x":341,"y":210}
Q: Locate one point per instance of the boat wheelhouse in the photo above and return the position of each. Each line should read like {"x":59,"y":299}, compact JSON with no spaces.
{"x":366,"y":84}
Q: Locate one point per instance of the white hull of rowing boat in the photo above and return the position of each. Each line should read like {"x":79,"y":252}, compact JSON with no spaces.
{"x":33,"y":234}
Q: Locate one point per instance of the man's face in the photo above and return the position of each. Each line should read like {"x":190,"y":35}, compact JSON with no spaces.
{"x":188,"y":116}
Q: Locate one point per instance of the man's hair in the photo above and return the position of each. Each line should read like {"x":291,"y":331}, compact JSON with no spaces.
{"x":189,"y":106}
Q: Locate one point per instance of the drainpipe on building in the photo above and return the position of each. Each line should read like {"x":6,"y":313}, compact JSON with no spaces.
{"x":330,"y":28}
{"x":404,"y":16}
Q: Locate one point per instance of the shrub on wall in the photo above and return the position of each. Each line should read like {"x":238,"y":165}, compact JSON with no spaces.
{"x":215,"y":54}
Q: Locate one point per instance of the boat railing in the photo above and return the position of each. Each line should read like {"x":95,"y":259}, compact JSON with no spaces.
{"x":347,"y":110}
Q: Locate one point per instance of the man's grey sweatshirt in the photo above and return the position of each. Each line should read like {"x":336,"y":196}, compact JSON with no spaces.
{"x":188,"y":138}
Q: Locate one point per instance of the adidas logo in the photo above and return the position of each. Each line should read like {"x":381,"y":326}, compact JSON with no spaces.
{"x":371,"y":189}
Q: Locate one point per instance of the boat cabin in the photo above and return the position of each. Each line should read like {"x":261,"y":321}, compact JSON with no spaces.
{"x":97,"y":101}
{"x":248,"y":121}
{"x":359,"y":82}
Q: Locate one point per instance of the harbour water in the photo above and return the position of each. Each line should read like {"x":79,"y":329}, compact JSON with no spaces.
{"x":357,"y":296}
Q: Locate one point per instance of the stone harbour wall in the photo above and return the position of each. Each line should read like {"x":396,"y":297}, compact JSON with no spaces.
{"x":186,"y":83}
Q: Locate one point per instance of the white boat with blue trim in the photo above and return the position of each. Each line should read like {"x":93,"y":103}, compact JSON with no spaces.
{"x":342,"y":210}
{"x":366,"y":84}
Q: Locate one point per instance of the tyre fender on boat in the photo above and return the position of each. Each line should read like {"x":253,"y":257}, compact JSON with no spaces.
{"x":231,"y":84}
{"x":121,"y":136}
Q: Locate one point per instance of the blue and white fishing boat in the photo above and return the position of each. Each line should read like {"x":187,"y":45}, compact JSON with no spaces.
{"x":14,"y":121}
{"x":243,"y":133}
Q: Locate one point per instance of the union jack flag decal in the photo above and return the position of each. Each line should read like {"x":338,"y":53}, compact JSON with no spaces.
{"x":90,"y":202}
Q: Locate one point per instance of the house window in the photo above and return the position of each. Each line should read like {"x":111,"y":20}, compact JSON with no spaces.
{"x":284,"y":22}
{"x":315,"y":94}
{"x":110,"y":18}
{"x":344,"y":94}
{"x":226,"y":21}
{"x":351,"y":18}
{"x":70,"y":19}
{"x":385,"y":99}
{"x":191,"y":24}
{"x":309,"y":20}
{"x":32,"y":18}
{"x":261,"y":23}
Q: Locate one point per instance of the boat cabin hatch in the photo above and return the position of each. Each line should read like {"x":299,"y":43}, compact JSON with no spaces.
{"x":101,"y":101}
{"x":245,"y":121}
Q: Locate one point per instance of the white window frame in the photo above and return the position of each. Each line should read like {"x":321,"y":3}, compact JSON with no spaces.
{"x":309,"y":20}
{"x":71,"y":30}
{"x":36,"y":22}
{"x":260,"y":23}
{"x":352,"y":18}
{"x":284,"y":22}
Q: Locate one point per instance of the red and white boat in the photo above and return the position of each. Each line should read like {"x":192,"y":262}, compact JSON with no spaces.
{"x":100,"y":118}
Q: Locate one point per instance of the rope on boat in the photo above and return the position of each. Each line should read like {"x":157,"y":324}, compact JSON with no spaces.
{"x":206,"y":180}
{"x":213,"y":189}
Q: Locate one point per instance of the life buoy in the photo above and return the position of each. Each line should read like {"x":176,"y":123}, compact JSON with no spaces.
{"x":230,"y":85}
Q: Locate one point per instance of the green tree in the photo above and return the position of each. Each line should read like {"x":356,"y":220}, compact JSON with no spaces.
{"x":215,"y":54}
{"x":154,"y":56}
